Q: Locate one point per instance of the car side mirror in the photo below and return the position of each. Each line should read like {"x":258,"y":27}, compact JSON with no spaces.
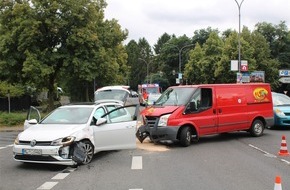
{"x":101,"y":121}
{"x":191,"y":107}
{"x":32,"y":121}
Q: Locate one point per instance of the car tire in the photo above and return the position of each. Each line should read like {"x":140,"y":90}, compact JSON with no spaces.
{"x":185,"y":136}
{"x":89,"y":151}
{"x":257,"y":128}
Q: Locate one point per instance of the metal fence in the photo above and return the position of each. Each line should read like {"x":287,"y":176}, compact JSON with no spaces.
{"x":15,"y":103}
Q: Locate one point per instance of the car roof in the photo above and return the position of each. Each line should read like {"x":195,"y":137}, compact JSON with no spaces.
{"x":92,"y":104}
{"x":117,"y":87}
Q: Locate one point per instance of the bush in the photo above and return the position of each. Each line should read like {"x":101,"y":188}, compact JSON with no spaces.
{"x":12,"y":119}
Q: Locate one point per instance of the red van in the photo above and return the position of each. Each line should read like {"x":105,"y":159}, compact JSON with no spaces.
{"x":185,"y":113}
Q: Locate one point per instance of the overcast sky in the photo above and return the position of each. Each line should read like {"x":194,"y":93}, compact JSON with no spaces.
{"x":152,"y":18}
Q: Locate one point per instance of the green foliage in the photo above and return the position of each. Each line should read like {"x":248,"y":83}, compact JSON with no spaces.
{"x":47,"y":43}
{"x":12,"y":119}
{"x":41,"y":41}
{"x":14,"y":90}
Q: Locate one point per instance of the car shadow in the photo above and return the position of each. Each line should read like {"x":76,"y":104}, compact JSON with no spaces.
{"x":279,"y":128}
{"x":43,"y":167}
{"x":215,"y":138}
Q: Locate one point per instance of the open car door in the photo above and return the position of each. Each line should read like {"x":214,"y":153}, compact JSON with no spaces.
{"x":33,"y":117}
{"x":116,"y":129}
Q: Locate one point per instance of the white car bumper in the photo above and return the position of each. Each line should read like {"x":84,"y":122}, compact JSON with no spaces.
{"x":42,"y":154}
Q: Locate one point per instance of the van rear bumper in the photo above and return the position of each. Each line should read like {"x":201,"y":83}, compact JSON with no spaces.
{"x":158,"y":133}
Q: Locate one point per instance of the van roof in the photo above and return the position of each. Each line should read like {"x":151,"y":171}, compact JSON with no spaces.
{"x":226,"y":84}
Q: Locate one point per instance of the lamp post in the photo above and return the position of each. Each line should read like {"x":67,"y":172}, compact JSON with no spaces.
{"x":147,"y":64}
{"x":179,"y":54}
{"x":239,"y":38}
{"x":180,"y":50}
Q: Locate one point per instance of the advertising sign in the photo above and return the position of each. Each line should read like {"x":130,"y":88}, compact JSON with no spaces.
{"x":257,"y":76}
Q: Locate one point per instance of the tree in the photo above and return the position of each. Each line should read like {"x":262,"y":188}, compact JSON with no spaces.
{"x":160,"y":42}
{"x":42,"y":38}
{"x":192,"y":71}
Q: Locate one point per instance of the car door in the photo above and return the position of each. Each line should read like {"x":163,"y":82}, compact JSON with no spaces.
{"x":33,"y":117}
{"x":116,"y":129}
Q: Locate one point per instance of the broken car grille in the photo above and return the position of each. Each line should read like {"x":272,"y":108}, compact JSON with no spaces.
{"x":152,"y":121}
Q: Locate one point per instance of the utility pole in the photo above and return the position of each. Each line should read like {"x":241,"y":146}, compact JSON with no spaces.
{"x":239,"y":38}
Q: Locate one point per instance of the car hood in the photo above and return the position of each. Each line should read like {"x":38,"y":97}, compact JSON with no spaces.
{"x":285,"y":108}
{"x":49,"y":132}
{"x":157,"y":111}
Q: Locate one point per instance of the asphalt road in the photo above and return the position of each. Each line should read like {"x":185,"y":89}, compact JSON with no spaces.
{"x":230,"y":161}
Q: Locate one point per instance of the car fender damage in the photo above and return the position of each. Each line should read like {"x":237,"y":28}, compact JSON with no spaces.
{"x":79,"y":152}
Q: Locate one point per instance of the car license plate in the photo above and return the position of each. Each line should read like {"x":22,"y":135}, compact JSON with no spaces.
{"x":32,"y":151}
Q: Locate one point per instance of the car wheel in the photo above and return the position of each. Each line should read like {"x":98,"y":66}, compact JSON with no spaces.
{"x":89,"y":152}
{"x":185,"y":136}
{"x":257,"y":128}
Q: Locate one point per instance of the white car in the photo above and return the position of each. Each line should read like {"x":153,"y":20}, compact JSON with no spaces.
{"x":72,"y":134}
{"x":117,"y":93}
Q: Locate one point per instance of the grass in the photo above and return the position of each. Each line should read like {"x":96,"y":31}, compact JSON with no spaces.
{"x":12,"y":119}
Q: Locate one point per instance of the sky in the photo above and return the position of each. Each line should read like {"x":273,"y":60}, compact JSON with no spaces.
{"x":150,"y":19}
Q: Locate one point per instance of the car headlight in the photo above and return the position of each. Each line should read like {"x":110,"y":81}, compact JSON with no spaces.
{"x":66,"y":141}
{"x":279,"y":112}
{"x":16,"y":141}
{"x":163,"y":120}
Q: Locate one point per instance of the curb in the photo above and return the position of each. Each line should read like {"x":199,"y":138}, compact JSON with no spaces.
{"x":11,"y":129}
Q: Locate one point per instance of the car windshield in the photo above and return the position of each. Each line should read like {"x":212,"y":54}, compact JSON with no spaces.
{"x":153,"y":90}
{"x":280,"y":99}
{"x":175,"y":96}
{"x":112,"y":94}
{"x":68,"y":115}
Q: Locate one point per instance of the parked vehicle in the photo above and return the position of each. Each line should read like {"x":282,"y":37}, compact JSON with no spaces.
{"x":118,"y":93}
{"x":149,"y":93}
{"x":72,"y":134}
{"x":281,"y":107}
{"x":186,"y":113}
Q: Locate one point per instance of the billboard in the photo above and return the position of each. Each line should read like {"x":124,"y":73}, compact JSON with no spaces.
{"x":256,"y":76}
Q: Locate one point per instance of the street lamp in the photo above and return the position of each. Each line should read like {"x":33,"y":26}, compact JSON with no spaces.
{"x":147,"y":64}
{"x":239,"y":39}
{"x":180,"y":50}
{"x":179,"y":53}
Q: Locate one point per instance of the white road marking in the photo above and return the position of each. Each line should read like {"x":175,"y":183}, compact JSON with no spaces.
{"x":60,"y":176}
{"x":135,"y":189}
{"x":136,"y":163}
{"x":286,"y":161}
{"x":266,"y":153}
{"x":3,"y":147}
{"x":47,"y":185}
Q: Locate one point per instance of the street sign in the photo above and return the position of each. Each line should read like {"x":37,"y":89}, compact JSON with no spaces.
{"x":244,"y":65}
{"x":284,"y":73}
{"x":285,"y":80}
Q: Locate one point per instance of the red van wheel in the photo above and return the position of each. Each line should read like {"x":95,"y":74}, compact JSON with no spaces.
{"x":185,"y":136}
{"x":257,"y":128}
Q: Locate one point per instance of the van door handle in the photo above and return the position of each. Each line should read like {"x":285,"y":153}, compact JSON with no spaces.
{"x":214,"y":111}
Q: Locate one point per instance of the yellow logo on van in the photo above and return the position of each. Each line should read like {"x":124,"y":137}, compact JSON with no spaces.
{"x":260,"y":94}
{"x":149,"y":111}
